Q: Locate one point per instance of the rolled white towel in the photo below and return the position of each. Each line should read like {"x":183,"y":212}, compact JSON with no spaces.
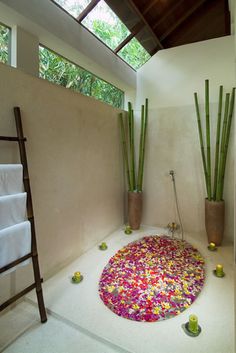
{"x":12,"y":209}
{"x":11,"y":179}
{"x":15,"y":242}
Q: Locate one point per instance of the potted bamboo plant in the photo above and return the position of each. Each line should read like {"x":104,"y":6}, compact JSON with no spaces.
{"x":134,"y":182}
{"x":214,"y":203}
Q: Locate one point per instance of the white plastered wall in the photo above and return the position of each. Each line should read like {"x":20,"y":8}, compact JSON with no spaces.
{"x":24,"y":51}
{"x":169,"y":80}
{"x":75,"y":166}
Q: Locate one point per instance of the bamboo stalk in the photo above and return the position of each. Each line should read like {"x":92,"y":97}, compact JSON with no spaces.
{"x":217,"y":147}
{"x":208,"y":138}
{"x":229,"y":122}
{"x":201,"y":139}
{"x":222,"y":150}
{"x":132,"y":157}
{"x":125,"y":151}
{"x":129,"y":122}
{"x":144,"y":141}
{"x":139,"y":186}
{"x":130,"y":144}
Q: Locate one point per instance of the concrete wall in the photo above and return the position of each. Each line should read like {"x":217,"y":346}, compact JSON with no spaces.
{"x":169,"y":80}
{"x":75,"y":164}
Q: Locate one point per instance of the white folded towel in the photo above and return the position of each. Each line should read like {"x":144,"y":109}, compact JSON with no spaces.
{"x":12,"y":209}
{"x":11,"y":179}
{"x":15,"y":242}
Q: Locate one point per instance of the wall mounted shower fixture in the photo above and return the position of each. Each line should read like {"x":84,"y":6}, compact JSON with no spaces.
{"x":173,"y":226}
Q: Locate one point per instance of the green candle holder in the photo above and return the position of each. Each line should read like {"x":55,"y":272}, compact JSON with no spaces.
{"x":77,"y":278}
{"x":212,"y":247}
{"x":191,"y":328}
{"x":218,"y":272}
{"x":128,"y":230}
{"x":103,"y":246}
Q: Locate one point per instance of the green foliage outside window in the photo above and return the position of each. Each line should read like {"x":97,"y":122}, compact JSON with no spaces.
{"x":4,"y":43}
{"x":134,"y":54}
{"x":104,"y":24}
{"x":56,"y":69}
{"x":74,"y":7}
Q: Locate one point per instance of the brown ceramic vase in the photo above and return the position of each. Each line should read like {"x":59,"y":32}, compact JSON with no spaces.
{"x":134,"y":209}
{"x":214,"y":220}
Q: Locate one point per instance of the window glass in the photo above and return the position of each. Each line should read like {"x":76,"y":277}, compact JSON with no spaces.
{"x":134,"y":54}
{"x":74,"y":7}
{"x":4,"y":43}
{"x":57,"y":69}
{"x":104,"y":23}
{"x":107,"y":27}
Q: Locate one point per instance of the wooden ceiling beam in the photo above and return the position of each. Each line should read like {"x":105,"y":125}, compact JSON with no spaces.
{"x":182,"y":19}
{"x":135,"y":8}
{"x":227,"y":17}
{"x":167,"y":14}
{"x":154,"y":51}
{"x":149,"y":6}
{"x":87,"y":9}
{"x":134,"y":31}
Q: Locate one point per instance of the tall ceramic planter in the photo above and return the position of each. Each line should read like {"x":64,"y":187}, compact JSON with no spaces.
{"x":214,"y":220}
{"x":135,"y":209}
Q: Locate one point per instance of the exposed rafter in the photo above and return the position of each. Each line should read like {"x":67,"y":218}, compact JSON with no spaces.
{"x":182,"y":19}
{"x":135,"y":8}
{"x":152,"y":22}
{"x":87,"y":9}
{"x":134,"y":31}
{"x":155,"y":50}
{"x":227,"y":17}
{"x":149,"y":6}
{"x":168,"y":13}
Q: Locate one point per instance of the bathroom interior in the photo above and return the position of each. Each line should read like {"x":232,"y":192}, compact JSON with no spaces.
{"x":79,"y":185}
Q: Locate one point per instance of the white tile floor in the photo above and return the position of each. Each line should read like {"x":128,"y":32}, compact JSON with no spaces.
{"x":79,"y":321}
{"x":55,"y":336}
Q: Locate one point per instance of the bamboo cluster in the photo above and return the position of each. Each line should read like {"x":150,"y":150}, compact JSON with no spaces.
{"x":222,"y":141}
{"x":135,"y":183}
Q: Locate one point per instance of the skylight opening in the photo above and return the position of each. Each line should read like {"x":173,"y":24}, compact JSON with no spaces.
{"x":74,"y":7}
{"x":134,"y":54}
{"x":102,"y":21}
{"x":104,"y":24}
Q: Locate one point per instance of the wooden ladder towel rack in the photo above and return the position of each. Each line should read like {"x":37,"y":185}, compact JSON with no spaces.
{"x":30,"y":214}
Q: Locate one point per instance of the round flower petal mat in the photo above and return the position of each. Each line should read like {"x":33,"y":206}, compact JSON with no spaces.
{"x":151,"y":279}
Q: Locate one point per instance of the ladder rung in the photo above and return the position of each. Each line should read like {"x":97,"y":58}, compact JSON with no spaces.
{"x":33,"y":254}
{"x":16,"y":262}
{"x":18,"y":295}
{"x":12,"y":138}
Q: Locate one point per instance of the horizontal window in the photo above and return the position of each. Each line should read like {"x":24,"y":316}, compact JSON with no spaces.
{"x":4,"y":43}
{"x":61,"y":71}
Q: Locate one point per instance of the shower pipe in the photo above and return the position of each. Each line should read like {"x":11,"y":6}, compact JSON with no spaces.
{"x":172,"y":174}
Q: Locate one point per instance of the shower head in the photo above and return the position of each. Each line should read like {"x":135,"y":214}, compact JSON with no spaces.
{"x":172,"y":174}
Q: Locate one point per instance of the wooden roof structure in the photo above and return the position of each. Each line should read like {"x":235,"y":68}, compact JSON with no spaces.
{"x":162,"y":24}
{"x":159,"y":24}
